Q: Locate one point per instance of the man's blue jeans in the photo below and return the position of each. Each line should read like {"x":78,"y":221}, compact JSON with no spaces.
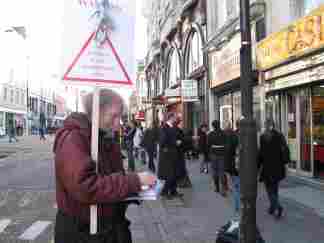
{"x":273,"y":194}
{"x":236,"y":194}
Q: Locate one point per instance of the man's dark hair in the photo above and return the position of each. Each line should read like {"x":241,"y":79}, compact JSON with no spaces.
{"x":216,"y":125}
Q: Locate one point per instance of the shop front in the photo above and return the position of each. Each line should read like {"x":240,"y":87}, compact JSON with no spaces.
{"x":298,"y":112}
{"x":295,"y":91}
{"x":225,"y":85}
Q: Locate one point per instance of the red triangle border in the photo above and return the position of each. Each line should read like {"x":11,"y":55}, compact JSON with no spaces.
{"x":76,"y":59}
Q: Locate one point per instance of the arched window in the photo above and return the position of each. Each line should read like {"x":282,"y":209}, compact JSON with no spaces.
{"x":174,"y":68}
{"x":160,"y":82}
{"x":195,"y":53}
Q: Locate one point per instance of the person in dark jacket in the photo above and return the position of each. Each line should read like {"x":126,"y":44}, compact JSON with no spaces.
{"x":149,"y":144}
{"x":12,"y":131}
{"x":168,"y":160}
{"x":232,"y":157}
{"x":183,"y":180}
{"x":202,"y":134}
{"x":272,"y":162}
{"x":78,"y":185}
{"x":129,"y":138}
{"x":216,"y":148}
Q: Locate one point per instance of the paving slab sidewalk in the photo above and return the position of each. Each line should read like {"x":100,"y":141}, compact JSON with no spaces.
{"x":201,"y":212}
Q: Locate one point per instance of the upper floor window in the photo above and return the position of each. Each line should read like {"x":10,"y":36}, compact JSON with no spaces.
{"x":160,"y":84}
{"x":17,"y":97}
{"x":22,"y":98}
{"x":174,"y":68}
{"x":195,"y":53}
{"x":300,"y":8}
{"x":11,"y":96}
{"x":5,"y":93}
{"x":232,"y":8}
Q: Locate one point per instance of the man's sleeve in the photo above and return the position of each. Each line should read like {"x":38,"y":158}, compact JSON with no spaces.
{"x":77,"y":172}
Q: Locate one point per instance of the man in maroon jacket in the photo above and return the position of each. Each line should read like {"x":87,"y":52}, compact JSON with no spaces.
{"x":78,"y":185}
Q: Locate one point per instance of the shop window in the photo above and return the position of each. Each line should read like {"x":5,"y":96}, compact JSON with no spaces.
{"x":237,"y":108}
{"x":195,"y":53}
{"x":260,"y":32}
{"x":225,"y":110}
{"x":257,"y":107}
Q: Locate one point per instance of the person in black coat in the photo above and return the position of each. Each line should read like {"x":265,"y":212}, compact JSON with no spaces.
{"x":149,"y":144}
{"x":272,"y":162}
{"x":232,"y":157}
{"x":216,"y":147}
{"x":183,"y":180}
{"x":129,"y":138}
{"x":168,"y":160}
{"x":202,"y":143}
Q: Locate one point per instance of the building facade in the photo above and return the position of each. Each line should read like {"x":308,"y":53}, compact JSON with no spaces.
{"x":290,"y":61}
{"x":176,"y":40}
{"x":200,"y":40}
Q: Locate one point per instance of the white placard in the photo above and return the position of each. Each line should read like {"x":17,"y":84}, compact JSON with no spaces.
{"x":98,"y":41}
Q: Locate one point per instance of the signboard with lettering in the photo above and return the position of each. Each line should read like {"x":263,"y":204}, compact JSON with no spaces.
{"x":301,"y":37}
{"x":297,"y":79}
{"x":172,"y":92}
{"x":97,"y":43}
{"x":189,"y":90}
{"x":295,"y":66}
{"x":225,"y":64}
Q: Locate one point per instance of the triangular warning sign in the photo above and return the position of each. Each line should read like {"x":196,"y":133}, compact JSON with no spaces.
{"x":98,"y":63}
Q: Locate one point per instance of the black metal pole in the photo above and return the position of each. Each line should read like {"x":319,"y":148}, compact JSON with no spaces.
{"x":248,"y":139}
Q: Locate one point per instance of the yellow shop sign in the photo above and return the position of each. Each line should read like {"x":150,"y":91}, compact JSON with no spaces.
{"x":303,"y":36}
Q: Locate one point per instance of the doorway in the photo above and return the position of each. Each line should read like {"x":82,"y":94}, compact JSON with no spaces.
{"x":297,"y":126}
{"x":318,"y":130}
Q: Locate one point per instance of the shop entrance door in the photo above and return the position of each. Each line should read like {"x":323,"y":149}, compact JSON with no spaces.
{"x":297,"y":124}
{"x":318,"y":130}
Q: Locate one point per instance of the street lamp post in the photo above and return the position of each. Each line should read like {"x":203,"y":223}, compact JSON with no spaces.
{"x":248,"y":138}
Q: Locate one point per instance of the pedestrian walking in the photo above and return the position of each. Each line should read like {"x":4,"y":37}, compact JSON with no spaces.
{"x":167,"y":169}
{"x":202,"y":133}
{"x":12,"y":131}
{"x":149,"y":144}
{"x":232,"y":158}
{"x":273,"y":157}
{"x":42,"y":124}
{"x":78,"y":185}
{"x":216,"y":148}
{"x":183,"y":180}
{"x":138,"y":149}
{"x":129,"y":138}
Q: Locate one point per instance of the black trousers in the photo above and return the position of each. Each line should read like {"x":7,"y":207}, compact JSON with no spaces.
{"x":151,"y":165}
{"x":70,"y":230}
{"x":170,"y":186}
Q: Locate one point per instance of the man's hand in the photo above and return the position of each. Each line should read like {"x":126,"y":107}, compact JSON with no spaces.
{"x":147,"y":179}
{"x":179,"y":142}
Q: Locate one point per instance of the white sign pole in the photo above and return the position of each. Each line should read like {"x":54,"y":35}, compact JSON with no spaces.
{"x":94,"y":153}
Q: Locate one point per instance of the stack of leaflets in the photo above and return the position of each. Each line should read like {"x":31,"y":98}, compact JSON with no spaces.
{"x":148,"y":193}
